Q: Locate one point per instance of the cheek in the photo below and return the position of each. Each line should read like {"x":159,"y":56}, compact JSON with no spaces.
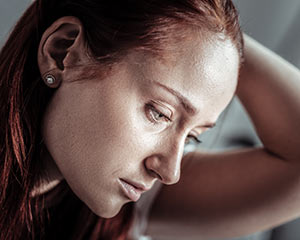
{"x":94,"y":139}
{"x":82,"y":138}
{"x":81,"y":132}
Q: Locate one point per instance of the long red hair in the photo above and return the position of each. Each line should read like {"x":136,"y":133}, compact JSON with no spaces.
{"x":111,"y":28}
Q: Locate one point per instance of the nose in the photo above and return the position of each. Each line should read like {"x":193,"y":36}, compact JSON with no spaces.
{"x":165,"y":163}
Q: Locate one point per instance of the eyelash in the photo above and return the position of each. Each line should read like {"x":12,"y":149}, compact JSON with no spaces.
{"x":152,"y":109}
{"x":195,"y":140}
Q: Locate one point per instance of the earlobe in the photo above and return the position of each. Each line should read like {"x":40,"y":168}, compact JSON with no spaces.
{"x":62,"y":45}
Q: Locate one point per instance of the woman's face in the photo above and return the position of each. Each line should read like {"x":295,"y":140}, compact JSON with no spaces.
{"x":108,"y":134}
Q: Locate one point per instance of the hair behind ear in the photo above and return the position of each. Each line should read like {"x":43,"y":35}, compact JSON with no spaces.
{"x":22,"y":100}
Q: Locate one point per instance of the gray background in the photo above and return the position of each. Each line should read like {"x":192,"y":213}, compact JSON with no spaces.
{"x":276,"y":24}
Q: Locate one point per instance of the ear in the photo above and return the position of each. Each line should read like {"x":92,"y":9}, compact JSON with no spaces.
{"x":62,"y":45}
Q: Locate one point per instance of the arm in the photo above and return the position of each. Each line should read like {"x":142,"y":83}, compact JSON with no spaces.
{"x":236,"y":193}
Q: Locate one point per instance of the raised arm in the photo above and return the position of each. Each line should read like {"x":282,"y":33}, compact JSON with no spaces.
{"x":269,"y":88}
{"x":239,"y":192}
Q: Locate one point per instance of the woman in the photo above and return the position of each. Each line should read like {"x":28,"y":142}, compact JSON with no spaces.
{"x":98,"y":99}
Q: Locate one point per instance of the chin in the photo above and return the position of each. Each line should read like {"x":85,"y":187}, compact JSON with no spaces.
{"x":108,"y":210}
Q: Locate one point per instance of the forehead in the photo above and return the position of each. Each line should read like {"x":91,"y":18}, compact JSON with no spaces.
{"x":204,"y":69}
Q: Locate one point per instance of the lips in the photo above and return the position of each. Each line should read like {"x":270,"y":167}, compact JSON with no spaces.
{"x":132,"y":189}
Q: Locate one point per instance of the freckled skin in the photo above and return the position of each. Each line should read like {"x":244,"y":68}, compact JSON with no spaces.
{"x":99,"y":131}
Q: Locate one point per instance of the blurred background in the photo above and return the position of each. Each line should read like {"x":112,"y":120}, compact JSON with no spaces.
{"x":274,"y":23}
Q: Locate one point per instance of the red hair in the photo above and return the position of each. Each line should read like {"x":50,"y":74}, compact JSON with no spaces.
{"x":111,"y":28}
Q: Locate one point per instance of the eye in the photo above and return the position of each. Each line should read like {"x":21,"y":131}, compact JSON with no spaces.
{"x":155,"y":115}
{"x":192,"y":139}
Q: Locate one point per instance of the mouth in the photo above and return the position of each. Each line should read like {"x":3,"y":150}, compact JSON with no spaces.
{"x":132,"y":190}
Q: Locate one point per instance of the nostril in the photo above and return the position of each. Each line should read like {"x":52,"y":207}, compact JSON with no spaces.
{"x":154,"y":174}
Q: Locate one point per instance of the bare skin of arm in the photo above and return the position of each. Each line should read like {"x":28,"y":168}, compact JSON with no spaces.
{"x":236,"y":193}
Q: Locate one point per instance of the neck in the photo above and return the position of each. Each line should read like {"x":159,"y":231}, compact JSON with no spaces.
{"x":50,"y":174}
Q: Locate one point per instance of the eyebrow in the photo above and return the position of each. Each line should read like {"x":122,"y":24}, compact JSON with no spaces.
{"x":186,"y":104}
